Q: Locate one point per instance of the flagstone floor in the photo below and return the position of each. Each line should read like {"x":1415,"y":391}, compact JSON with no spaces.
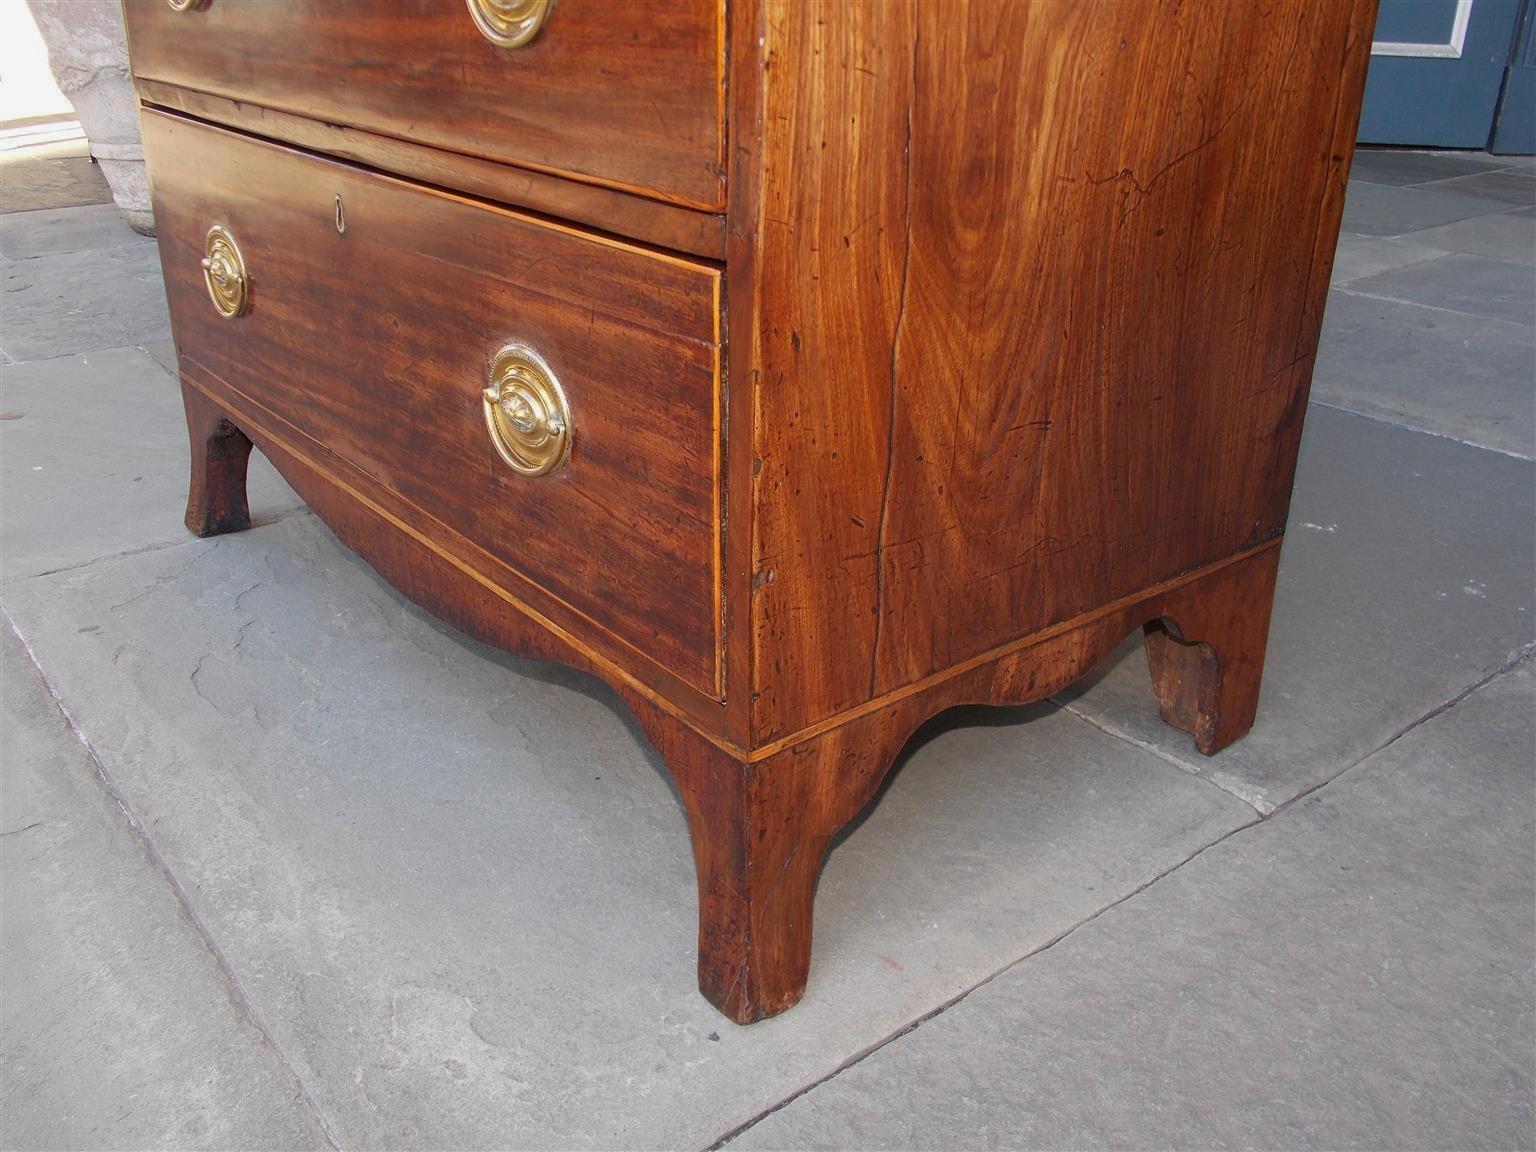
{"x":289,"y":864}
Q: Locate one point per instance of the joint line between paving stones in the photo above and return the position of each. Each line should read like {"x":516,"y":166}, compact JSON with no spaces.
{"x":1520,"y":656}
{"x":1437,"y":185}
{"x":161,"y":546}
{"x":158,"y":862}
{"x":1439,"y":254}
{"x":1264,"y":808}
{"x":1343,"y":287}
{"x":1515,"y":660}
{"x":158,"y":547}
{"x":1420,"y":431}
{"x":1166,"y":757}
{"x":912,"y":1026}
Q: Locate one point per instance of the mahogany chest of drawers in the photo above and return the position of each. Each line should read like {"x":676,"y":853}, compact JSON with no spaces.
{"x":801,"y":368}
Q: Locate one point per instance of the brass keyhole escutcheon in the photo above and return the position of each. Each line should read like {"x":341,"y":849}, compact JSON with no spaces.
{"x":526,"y":412}
{"x":224,"y":273}
{"x":509,"y":23}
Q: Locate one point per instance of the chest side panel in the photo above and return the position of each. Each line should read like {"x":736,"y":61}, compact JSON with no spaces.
{"x":1039,"y":294}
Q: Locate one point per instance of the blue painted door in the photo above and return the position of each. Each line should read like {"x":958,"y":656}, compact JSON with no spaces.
{"x":1515,"y":129}
{"x":1437,"y":72}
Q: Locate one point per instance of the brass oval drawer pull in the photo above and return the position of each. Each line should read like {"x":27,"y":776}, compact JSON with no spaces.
{"x":509,"y":23}
{"x":224,"y":274}
{"x":526,"y":412}
{"x":185,"y":5}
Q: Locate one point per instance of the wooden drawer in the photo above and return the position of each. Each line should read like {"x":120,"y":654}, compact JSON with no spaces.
{"x":624,"y":95}
{"x":372,"y":334}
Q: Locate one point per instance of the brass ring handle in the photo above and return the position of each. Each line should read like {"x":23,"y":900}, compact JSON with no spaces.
{"x":185,"y":5}
{"x":526,"y":412}
{"x":509,"y":23}
{"x":224,"y":274}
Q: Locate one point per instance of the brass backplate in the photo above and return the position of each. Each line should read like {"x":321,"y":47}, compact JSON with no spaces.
{"x":224,"y":273}
{"x":510,"y":23}
{"x":526,"y":412}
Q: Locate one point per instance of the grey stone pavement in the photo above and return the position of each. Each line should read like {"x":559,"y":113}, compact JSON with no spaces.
{"x":285,"y":863}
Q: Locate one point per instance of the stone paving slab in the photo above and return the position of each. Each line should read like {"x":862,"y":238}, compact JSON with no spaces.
{"x":51,"y":176}
{"x":1352,"y":973}
{"x":117,"y":1029}
{"x":1460,"y":282}
{"x":51,"y":231}
{"x":163,"y":353}
{"x":1508,"y":186}
{"x":1358,"y":256}
{"x":1427,"y":368}
{"x":458,"y":886}
{"x":1405,"y":578}
{"x":93,"y":462}
{"x":1384,"y":210}
{"x":1502,"y":236}
{"x":1394,"y":166}
{"x":58,"y":304}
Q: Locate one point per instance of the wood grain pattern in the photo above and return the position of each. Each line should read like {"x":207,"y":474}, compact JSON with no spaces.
{"x":1020,"y":303}
{"x":761,"y":827}
{"x":626,"y":95}
{"x":740,"y":337}
{"x":376,"y":343}
{"x":220,"y":454}
{"x":1036,"y":319}
{"x":619,"y":213}
{"x":1206,"y":651}
{"x":761,"y":822}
